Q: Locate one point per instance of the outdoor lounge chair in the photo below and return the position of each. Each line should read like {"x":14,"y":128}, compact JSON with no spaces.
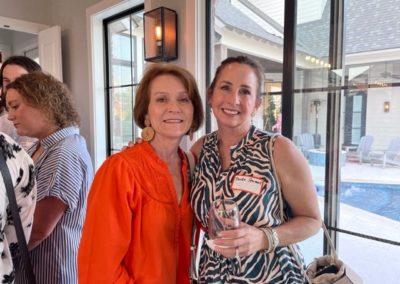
{"x":306,"y":143}
{"x":361,"y":153}
{"x":390,"y":156}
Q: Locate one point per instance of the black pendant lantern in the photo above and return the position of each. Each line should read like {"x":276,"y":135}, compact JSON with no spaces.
{"x":160,"y":35}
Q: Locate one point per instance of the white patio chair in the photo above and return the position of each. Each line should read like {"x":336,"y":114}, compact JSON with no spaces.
{"x":390,"y":156}
{"x":361,"y":153}
{"x":306,"y":143}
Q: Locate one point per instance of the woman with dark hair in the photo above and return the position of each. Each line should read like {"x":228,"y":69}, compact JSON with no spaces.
{"x":235,"y":163}
{"x":138,"y":223}
{"x":40,"y":106}
{"x":11,"y":69}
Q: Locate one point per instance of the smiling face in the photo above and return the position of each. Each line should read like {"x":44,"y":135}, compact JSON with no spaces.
{"x":234,"y":98}
{"x":28,"y":120}
{"x":170,"y":110}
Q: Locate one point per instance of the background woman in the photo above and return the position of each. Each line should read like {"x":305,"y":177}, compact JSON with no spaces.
{"x":10,"y":70}
{"x":40,"y":106}
{"x":139,"y":219}
{"x":20,"y":166}
{"x":237,"y":150}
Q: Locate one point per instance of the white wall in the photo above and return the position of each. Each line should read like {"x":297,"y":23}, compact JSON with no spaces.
{"x":71,"y":16}
{"x":384,"y":126}
{"x":37,"y":11}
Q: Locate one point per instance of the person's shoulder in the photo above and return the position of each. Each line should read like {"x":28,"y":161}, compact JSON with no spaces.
{"x":279,"y":142}
{"x":195,"y":149}
{"x":16,"y":157}
{"x":11,"y":148}
{"x":129,"y":156}
{"x":70,"y":146}
{"x":6,"y":138}
{"x":75,"y":140}
{"x":285,"y":149}
{"x":263,"y":136}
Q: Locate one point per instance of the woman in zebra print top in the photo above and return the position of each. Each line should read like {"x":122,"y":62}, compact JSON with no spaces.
{"x":234,"y":162}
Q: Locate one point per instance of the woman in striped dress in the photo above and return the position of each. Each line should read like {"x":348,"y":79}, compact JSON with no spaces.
{"x":235,"y":163}
{"x":40,"y":106}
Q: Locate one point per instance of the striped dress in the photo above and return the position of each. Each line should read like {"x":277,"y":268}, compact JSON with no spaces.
{"x":63,"y":171}
{"x":250,"y":158}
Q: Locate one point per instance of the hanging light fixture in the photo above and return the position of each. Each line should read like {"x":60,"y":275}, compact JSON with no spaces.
{"x":160,"y":35}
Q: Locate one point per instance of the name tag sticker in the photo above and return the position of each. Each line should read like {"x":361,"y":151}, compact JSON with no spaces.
{"x":250,"y":184}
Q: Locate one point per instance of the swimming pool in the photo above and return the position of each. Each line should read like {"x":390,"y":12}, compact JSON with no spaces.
{"x":382,"y":199}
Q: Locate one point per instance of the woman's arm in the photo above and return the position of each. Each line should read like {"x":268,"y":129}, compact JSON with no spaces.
{"x":298,"y":191}
{"x":25,"y":193}
{"x":48,"y":213}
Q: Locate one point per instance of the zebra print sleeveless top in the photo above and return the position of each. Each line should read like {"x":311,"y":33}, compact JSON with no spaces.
{"x":250,"y":157}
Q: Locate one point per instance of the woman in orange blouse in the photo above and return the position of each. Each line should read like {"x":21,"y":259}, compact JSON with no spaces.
{"x":138,"y":221}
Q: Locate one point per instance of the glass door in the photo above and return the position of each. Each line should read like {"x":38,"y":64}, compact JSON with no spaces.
{"x":346,"y":103}
{"x":255,"y":30}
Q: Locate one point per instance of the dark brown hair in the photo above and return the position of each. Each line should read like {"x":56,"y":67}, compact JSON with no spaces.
{"x":22,"y":61}
{"x":257,"y":68}
{"x":142,"y":99}
{"x":44,"y":92}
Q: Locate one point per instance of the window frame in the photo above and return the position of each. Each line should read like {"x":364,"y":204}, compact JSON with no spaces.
{"x":107,"y":74}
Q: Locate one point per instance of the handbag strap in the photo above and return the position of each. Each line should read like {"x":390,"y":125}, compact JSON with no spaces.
{"x":191,"y":162}
{"x":330,"y":242}
{"x":193,"y":275}
{"x":23,"y":248}
{"x":278,"y":181}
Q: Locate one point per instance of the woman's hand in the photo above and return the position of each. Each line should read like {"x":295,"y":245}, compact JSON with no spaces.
{"x":132,"y":143}
{"x":243,"y":241}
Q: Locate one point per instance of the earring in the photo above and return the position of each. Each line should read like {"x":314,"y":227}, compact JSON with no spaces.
{"x":148,"y":131}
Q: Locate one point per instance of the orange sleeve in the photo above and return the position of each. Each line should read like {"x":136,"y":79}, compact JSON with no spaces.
{"x":106,"y":234}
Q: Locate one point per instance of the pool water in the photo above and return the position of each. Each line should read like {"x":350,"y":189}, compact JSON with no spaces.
{"x":382,"y":199}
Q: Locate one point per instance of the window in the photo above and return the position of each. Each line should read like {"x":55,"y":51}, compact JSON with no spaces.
{"x":241,"y":28}
{"x":355,"y":117}
{"x":124,"y":68}
{"x":345,"y":86}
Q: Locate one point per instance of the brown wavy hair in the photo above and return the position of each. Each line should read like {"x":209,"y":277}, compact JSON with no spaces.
{"x":142,"y":99}
{"x":46,"y":93}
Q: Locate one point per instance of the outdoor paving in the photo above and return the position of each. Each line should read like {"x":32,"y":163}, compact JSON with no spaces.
{"x":355,"y":172}
{"x":375,"y":262}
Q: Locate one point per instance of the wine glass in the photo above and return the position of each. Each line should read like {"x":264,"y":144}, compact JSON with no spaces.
{"x":223,"y":215}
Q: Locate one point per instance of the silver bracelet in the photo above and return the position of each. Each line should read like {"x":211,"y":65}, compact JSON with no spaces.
{"x":272,"y":237}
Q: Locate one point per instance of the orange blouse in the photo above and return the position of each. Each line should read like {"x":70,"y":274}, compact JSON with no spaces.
{"x":135,"y":231}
